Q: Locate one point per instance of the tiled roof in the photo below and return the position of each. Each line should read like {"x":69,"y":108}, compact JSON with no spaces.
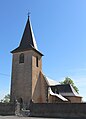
{"x":65,"y":90}
{"x":57,"y":95}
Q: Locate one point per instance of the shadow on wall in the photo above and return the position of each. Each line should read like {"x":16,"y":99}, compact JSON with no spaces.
{"x":40,"y":95}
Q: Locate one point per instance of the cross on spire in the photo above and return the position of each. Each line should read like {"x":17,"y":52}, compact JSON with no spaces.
{"x":28,"y":14}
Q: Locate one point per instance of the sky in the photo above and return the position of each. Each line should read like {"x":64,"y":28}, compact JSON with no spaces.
{"x":60,"y":31}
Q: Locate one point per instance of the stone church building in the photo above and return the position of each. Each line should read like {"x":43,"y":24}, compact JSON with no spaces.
{"x":28,"y":81}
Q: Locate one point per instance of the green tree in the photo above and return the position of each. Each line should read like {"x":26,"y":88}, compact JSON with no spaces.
{"x":70,"y":81}
{"x":6,"y":99}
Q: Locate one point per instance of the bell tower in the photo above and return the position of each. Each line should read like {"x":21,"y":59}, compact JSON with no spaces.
{"x":26,"y":67}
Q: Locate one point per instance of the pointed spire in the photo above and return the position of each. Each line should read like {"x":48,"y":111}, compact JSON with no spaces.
{"x":28,"y":40}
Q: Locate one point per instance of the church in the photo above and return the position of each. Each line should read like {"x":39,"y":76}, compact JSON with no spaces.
{"x":28,"y":82}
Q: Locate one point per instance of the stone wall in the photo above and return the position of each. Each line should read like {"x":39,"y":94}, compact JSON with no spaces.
{"x":7,"y":109}
{"x":74,"y":99}
{"x":58,"y":110}
{"x":36,"y":76}
{"x":25,"y":76}
{"x":21,"y":77}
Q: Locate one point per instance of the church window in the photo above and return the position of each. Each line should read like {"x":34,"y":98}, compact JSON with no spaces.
{"x":21,"y":58}
{"x":37,"y":62}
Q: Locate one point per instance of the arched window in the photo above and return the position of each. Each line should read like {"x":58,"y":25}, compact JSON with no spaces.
{"x":21,"y":58}
{"x":37,"y":62}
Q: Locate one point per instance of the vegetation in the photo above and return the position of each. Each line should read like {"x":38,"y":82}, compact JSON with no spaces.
{"x":70,"y":81}
{"x":6,"y":99}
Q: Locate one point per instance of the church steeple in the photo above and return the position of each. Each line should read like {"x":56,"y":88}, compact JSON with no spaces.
{"x":28,"y":41}
{"x":26,"y":67}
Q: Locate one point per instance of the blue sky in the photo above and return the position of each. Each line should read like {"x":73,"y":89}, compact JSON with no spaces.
{"x":60,"y":31}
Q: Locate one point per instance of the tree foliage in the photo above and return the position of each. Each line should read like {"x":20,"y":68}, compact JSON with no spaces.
{"x":70,"y":81}
{"x":6,"y":99}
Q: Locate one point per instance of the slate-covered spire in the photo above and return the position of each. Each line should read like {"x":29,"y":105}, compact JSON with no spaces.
{"x":28,"y":37}
{"x":28,"y":41}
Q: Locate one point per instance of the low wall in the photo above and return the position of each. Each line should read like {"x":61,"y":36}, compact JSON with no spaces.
{"x":58,"y":110}
{"x":7,"y":109}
